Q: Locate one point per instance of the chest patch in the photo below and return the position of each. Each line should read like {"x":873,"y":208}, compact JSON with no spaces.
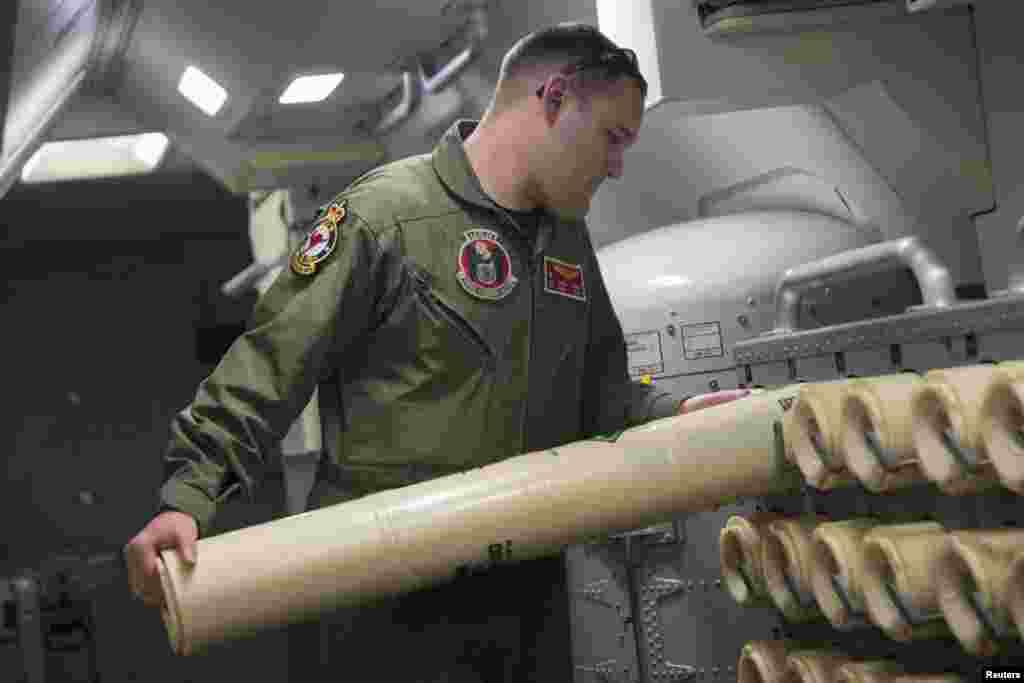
{"x":564,"y":279}
{"x":485,"y":269}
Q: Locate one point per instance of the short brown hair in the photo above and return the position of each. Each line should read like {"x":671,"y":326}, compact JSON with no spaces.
{"x":579,"y":50}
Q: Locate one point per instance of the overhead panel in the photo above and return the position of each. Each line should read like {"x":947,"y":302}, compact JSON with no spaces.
{"x":726,"y":17}
{"x":256,"y":142}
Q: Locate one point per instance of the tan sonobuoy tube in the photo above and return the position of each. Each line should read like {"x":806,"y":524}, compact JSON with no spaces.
{"x":764,"y":661}
{"x":787,"y":552}
{"x":972,"y":584}
{"x":877,"y":438}
{"x":1015,"y":593}
{"x":885,"y":671}
{"x":947,"y":435}
{"x":1002,"y":424}
{"x":899,"y":579}
{"x":817,"y":426}
{"x":740,"y":554}
{"x":296,"y":568}
{"x":815,"y":666}
{"x":871,"y":671}
{"x":837,"y":571}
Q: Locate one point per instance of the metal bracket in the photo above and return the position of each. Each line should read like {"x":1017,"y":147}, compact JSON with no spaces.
{"x":668,"y":534}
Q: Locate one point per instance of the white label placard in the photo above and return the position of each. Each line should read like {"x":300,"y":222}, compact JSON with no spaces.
{"x":702,"y":340}
{"x":645,"y":354}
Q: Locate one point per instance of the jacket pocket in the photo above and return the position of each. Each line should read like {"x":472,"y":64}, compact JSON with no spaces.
{"x":441,"y":312}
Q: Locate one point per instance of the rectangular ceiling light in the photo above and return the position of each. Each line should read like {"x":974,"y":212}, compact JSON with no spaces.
{"x":202,"y":91}
{"x":311,"y":88}
{"x":96,"y":158}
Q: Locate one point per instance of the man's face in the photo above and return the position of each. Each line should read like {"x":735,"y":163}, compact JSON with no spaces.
{"x":588,"y":141}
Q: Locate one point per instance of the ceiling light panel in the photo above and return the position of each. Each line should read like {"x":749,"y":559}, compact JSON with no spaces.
{"x":311,"y":88}
{"x":96,"y":158}
{"x":202,"y":91}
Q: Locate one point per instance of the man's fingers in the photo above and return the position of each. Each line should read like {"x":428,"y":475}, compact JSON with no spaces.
{"x":726,"y":396}
{"x":700,"y":401}
{"x":186,"y":546}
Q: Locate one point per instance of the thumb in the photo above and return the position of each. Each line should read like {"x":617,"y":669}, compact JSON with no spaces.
{"x":187,"y":545}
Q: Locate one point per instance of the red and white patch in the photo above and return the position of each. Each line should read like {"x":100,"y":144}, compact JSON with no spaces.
{"x":564,"y":279}
{"x":485,"y":268}
{"x":320,"y":242}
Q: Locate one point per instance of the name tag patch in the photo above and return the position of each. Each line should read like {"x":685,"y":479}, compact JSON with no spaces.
{"x":564,"y":279}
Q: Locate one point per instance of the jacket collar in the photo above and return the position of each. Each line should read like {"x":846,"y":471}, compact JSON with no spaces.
{"x":453,"y":168}
{"x":452,"y":165}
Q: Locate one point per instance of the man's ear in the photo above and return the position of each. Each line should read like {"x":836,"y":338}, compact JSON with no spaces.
{"x":553,"y":96}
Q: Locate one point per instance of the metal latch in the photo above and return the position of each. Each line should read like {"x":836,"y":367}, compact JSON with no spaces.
{"x":669,"y":533}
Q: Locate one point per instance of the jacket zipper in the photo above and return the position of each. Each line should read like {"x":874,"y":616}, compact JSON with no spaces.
{"x":436,"y":306}
{"x":531,"y":267}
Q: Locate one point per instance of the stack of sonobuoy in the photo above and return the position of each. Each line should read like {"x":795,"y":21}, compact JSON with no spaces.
{"x":959,"y":429}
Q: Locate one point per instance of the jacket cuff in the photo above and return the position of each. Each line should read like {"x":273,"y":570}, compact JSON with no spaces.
{"x":666,"y":405}
{"x":179,"y":496}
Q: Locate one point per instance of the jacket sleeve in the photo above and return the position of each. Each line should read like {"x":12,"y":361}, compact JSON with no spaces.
{"x":220,"y":441}
{"x":612,"y":401}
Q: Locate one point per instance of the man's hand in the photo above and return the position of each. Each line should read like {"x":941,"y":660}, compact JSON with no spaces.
{"x":169,"y":529}
{"x":695,"y":403}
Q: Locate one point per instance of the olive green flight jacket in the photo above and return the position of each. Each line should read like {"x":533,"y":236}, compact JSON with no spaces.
{"x":437,"y":331}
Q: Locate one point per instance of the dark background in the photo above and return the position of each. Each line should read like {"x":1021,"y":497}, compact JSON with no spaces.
{"x":112,"y":315}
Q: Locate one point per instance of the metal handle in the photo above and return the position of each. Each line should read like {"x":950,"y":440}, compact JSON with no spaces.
{"x":1016,"y":280}
{"x":932,"y":276}
{"x":415,"y":84}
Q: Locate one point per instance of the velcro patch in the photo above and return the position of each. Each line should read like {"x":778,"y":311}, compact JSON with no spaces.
{"x":321,"y":240}
{"x":564,"y":279}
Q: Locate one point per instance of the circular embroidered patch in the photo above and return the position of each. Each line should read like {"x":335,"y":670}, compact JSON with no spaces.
{"x":485,"y":268}
{"x":321,"y":241}
{"x":318,"y":246}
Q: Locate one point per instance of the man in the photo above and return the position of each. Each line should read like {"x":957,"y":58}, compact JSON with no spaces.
{"x":450,"y":309}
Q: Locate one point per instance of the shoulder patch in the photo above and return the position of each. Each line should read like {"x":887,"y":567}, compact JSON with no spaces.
{"x":321,"y":241}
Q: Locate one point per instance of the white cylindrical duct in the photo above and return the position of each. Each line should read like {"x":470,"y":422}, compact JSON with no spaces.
{"x":685,"y":294}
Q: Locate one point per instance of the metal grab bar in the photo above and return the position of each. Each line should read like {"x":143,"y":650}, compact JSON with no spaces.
{"x":909,"y":252}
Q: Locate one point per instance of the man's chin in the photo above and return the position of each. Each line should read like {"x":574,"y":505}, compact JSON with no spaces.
{"x":571,"y":213}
